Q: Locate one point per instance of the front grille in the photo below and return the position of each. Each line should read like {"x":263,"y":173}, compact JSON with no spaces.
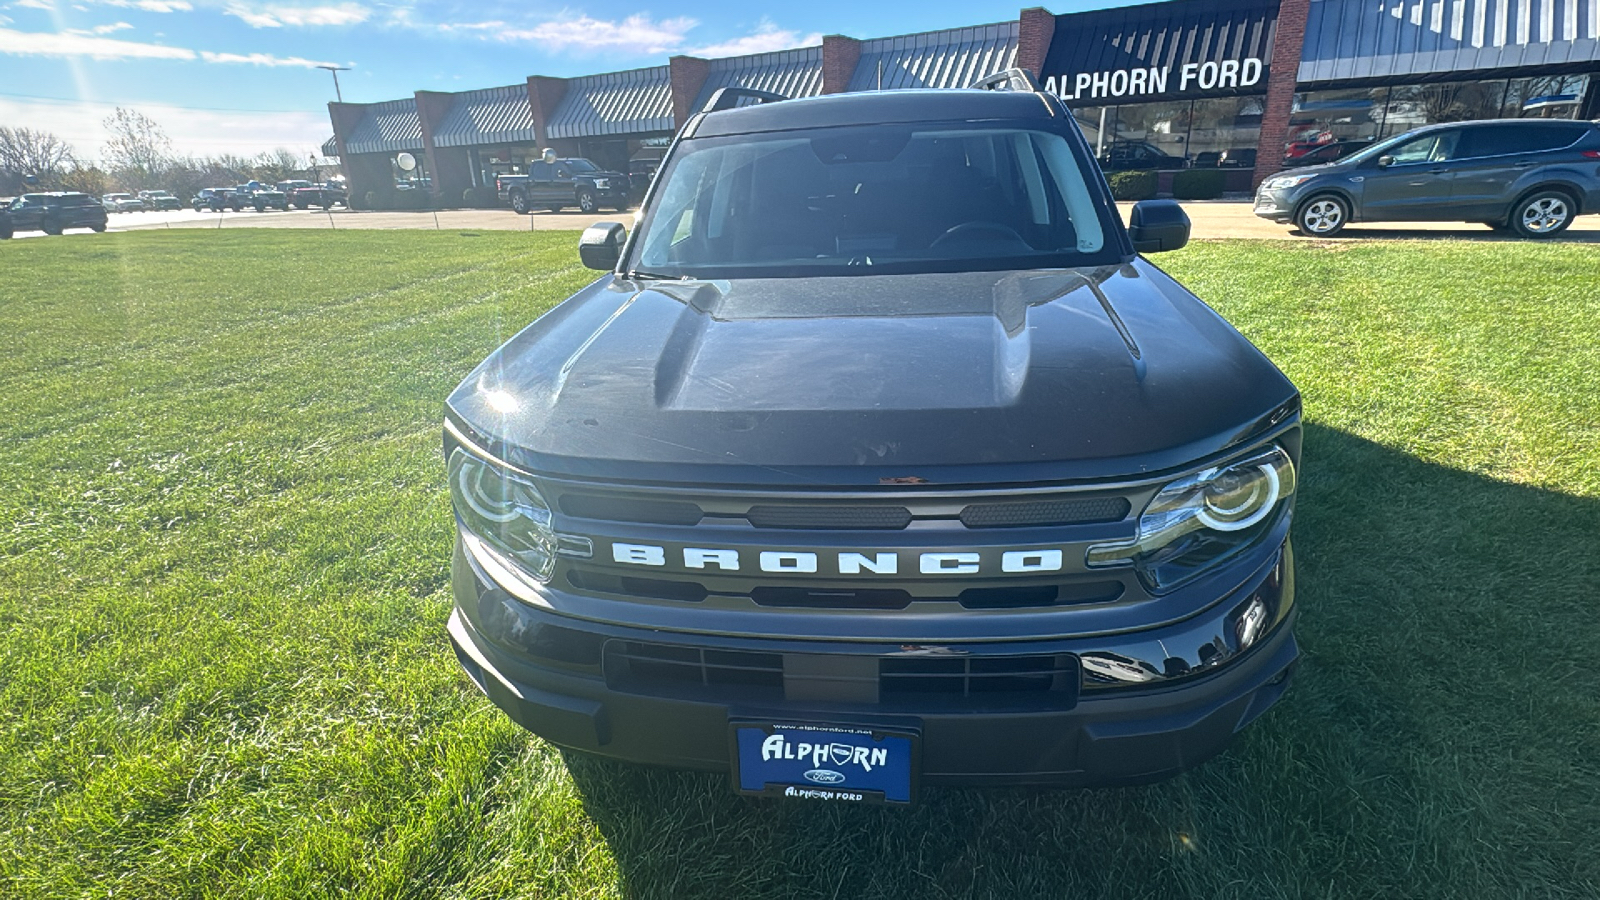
{"x":1068,"y":511}
{"x":629,"y":586}
{"x":964,"y":676}
{"x":856,"y":517}
{"x":651,"y":667}
{"x":1070,"y":594}
{"x":730,"y":675}
{"x":824,"y":598}
{"x":630,"y":509}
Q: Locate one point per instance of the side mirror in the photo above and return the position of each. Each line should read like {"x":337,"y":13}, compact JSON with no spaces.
{"x":1157,"y":226}
{"x":1385,"y":162}
{"x":601,"y":245}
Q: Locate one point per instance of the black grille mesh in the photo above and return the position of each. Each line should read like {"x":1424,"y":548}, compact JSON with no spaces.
{"x":1067,"y":511}
{"x":623,"y":509}
{"x":885,"y":517}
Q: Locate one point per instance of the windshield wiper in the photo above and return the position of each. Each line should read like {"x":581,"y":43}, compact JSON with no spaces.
{"x":637,"y":275}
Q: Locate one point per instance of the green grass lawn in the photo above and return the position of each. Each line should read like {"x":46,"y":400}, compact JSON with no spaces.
{"x":223,"y":547}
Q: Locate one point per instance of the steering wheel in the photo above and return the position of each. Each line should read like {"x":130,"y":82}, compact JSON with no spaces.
{"x":967,"y":229}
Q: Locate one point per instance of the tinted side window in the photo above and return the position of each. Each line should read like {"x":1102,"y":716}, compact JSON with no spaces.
{"x":1428,"y":148}
{"x":539,"y":171}
{"x":1501,"y":140}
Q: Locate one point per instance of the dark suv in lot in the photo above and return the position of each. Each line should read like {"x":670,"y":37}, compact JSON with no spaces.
{"x":1529,"y":176}
{"x":52,"y":213}
{"x":559,"y":183}
{"x":879,"y":456}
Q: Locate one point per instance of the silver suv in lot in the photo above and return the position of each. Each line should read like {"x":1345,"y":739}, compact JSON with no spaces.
{"x":1529,"y":176}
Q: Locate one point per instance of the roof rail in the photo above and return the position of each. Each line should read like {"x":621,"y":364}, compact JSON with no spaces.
{"x":729,"y":97}
{"x":1009,"y":80}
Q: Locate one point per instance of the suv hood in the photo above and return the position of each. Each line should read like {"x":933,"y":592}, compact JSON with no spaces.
{"x":1050,"y":375}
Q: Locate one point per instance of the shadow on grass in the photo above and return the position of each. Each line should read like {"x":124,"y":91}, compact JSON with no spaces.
{"x":1440,"y":740}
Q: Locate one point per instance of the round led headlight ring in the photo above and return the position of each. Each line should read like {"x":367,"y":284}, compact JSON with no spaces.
{"x":1235,"y":499}
{"x":482,"y":489}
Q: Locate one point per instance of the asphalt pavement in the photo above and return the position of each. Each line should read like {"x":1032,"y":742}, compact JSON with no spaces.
{"x":1213,"y":220}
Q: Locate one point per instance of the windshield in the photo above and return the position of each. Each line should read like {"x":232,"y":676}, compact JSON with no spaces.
{"x":1375,"y":150}
{"x":872,"y":199}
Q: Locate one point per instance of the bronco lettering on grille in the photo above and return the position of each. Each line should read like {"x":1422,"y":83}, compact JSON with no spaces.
{"x":850,"y":562}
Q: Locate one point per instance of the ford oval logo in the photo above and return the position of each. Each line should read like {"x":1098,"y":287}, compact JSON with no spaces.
{"x":824,"y":776}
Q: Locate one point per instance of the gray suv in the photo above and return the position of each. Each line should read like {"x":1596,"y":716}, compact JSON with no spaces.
{"x":1531,"y":176}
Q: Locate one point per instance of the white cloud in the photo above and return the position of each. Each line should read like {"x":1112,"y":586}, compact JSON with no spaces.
{"x":767,"y":38}
{"x":4,"y":20}
{"x":261,"y":59}
{"x":35,"y":4}
{"x":299,"y":16}
{"x":18,"y":43}
{"x":193,"y":132}
{"x":99,"y":29}
{"x":154,"y":6}
{"x":637,"y":34}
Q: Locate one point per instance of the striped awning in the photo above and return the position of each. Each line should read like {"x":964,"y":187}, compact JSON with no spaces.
{"x":330,"y":147}
{"x":1356,"y":39}
{"x":638,"y":101}
{"x":490,"y":116}
{"x":792,"y":73}
{"x":936,"y":59}
{"x":387,"y":127}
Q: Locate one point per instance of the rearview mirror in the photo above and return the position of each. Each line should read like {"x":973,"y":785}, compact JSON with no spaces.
{"x":1157,"y":226}
{"x":601,"y":245}
{"x":1385,"y":162}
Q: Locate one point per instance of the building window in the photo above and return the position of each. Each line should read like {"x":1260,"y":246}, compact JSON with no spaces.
{"x":1174,"y":135}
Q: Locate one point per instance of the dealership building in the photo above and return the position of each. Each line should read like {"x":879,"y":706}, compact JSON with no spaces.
{"x":1232,"y":84}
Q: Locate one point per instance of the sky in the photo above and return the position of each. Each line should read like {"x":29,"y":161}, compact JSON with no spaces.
{"x":240,"y":77}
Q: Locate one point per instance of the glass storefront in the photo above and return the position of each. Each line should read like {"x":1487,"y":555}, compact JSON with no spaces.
{"x":1326,"y":125}
{"x":1221,"y":132}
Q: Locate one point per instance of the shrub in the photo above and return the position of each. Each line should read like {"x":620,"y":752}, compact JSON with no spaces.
{"x":374,"y":200}
{"x":470,"y":198}
{"x":1198,"y":184}
{"x":1139,"y":185}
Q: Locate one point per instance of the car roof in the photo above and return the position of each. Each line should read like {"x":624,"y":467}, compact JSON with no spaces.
{"x":875,"y":107}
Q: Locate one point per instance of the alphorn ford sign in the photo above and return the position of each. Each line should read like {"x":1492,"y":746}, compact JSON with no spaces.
{"x":1160,"y":81}
{"x":1189,"y":49}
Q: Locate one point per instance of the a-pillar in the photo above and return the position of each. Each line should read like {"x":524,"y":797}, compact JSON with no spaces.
{"x":1287,"y":42}
{"x":689,"y":75}
{"x":1036,"y":28}
{"x":840,"y":56}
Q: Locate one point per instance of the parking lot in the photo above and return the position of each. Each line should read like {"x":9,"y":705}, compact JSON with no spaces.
{"x":1213,"y":220}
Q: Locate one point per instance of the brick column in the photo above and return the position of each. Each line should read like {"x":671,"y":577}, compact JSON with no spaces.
{"x":689,"y":75}
{"x":344,"y":117}
{"x":448,"y":180}
{"x":1036,"y":27}
{"x":544,"y":95}
{"x":840,"y":56}
{"x":1287,"y":41}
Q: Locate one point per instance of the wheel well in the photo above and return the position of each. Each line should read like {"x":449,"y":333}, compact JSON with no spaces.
{"x":1329,"y":192}
{"x":1561,"y":187}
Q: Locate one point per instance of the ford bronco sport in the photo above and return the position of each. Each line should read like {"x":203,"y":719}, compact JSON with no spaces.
{"x":879,"y":457}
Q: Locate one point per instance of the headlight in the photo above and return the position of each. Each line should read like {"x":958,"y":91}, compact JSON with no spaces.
{"x":601,"y":184}
{"x":1286,"y":181}
{"x":504,"y":511}
{"x":1201,"y":519}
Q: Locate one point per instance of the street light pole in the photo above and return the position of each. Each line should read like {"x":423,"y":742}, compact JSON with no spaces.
{"x":336,"y":70}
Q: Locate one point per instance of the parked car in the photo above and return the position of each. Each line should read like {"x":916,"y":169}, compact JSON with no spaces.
{"x":289,"y":187}
{"x":559,"y":183}
{"x":323,"y":195}
{"x":121,"y":203}
{"x":1206,"y":159}
{"x":879,"y":456}
{"x":159,"y":200}
{"x":1123,"y":155}
{"x":262,"y":196}
{"x":1238,"y":158}
{"x":52,"y":213}
{"x":1529,"y":176}
{"x":1324,"y":153}
{"x":216,"y":200}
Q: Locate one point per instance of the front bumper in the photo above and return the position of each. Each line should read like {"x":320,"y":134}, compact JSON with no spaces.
{"x":1277,"y":205}
{"x":1127,"y":715}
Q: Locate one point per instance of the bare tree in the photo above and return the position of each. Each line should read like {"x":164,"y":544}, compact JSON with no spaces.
{"x":139,"y":150}
{"x":25,"y":152}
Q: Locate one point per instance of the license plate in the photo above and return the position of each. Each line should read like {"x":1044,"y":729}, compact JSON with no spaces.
{"x":824,"y":762}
